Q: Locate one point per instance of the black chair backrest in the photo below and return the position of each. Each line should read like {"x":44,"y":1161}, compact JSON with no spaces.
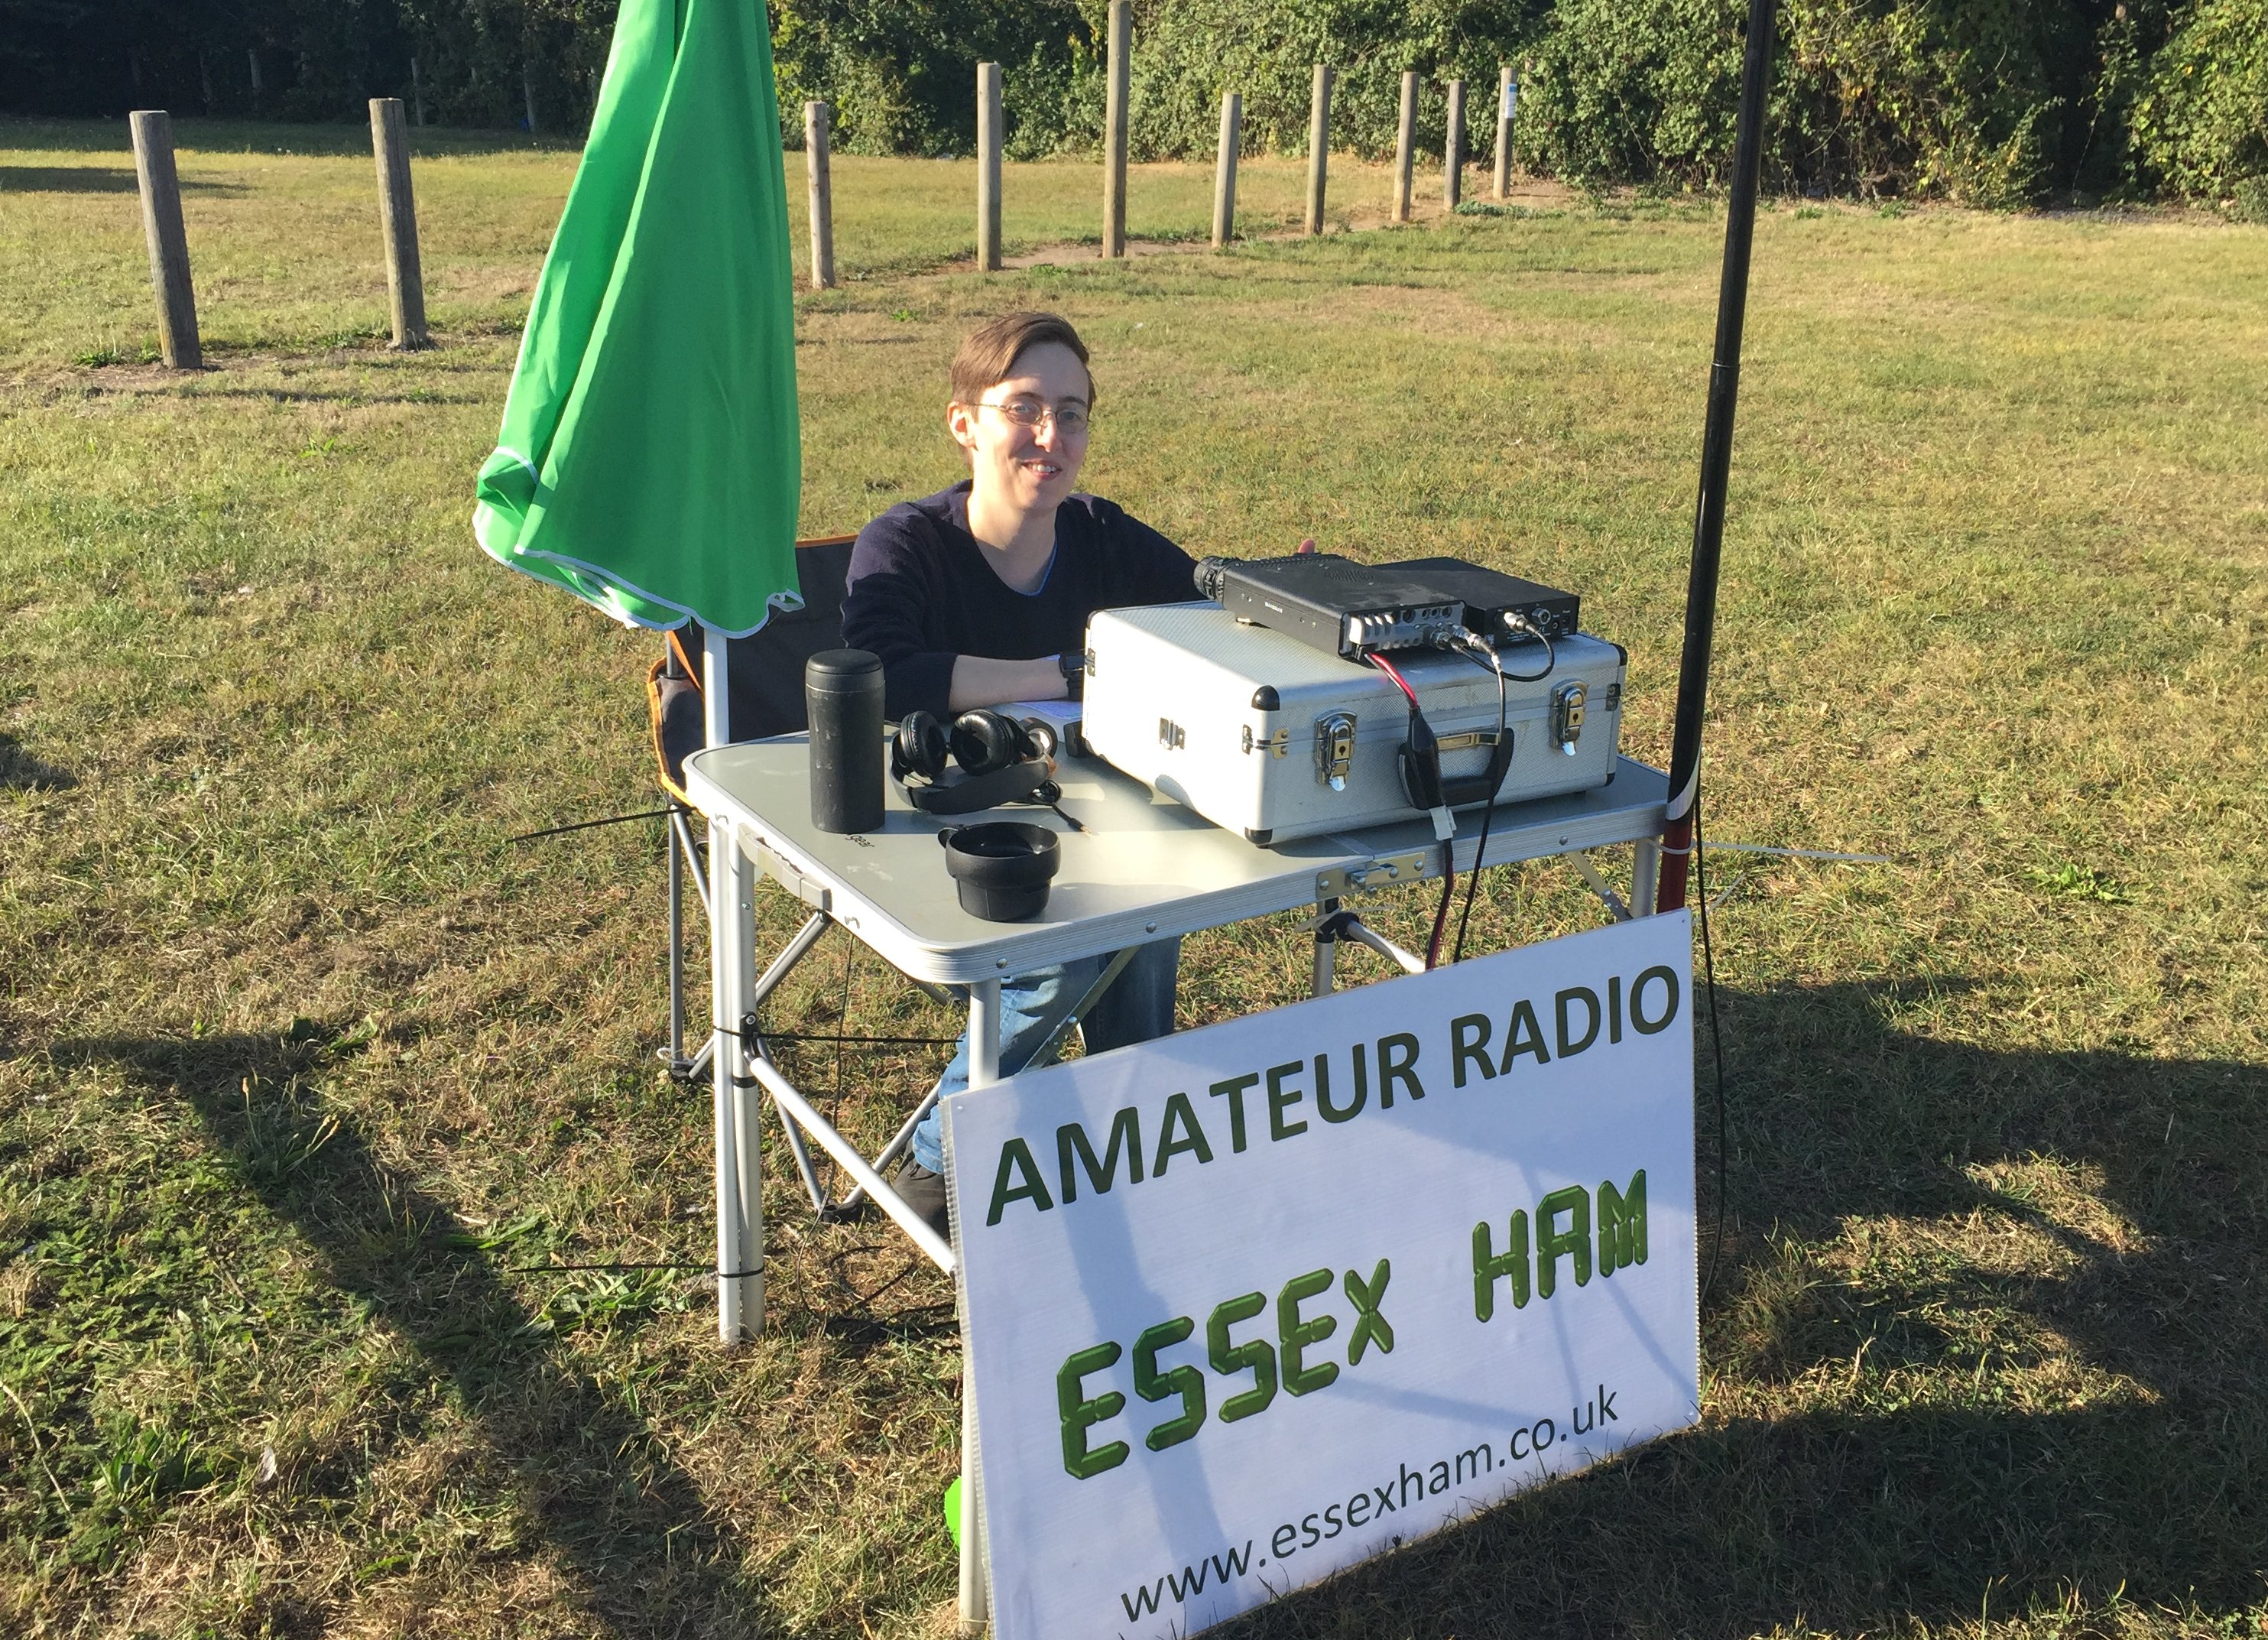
{"x":765,"y":668}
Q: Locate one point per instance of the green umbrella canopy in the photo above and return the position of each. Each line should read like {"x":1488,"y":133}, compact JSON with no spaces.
{"x":649,"y":460}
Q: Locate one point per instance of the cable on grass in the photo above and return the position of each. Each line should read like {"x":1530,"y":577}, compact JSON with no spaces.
{"x":706,"y":1266}
{"x":586,"y":825}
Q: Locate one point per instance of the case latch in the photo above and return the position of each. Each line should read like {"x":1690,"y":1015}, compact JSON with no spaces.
{"x":1334,"y":748}
{"x":1279,"y":743}
{"x":1567,"y":713}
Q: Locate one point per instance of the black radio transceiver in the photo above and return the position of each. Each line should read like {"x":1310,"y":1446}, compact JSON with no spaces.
{"x":1334,"y":603}
{"x":1489,"y":595}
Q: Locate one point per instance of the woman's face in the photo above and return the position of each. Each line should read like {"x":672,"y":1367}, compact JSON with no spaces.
{"x":1032,"y":467}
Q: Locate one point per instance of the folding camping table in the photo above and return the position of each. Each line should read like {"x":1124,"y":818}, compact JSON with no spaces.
{"x":1142,"y":868}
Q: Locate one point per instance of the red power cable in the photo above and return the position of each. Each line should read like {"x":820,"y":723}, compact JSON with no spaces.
{"x":1400,"y":683}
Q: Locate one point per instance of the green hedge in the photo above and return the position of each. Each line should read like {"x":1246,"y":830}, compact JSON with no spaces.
{"x":901,"y":75}
{"x":2201,"y":121}
{"x":1993,"y":102}
{"x":1187,"y":52}
{"x":1979,"y":100}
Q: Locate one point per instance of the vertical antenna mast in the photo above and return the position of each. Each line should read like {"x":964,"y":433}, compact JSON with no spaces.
{"x":1716,"y":462}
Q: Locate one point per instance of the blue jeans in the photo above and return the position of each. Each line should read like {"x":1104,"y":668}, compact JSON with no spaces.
{"x":1138,"y":1007}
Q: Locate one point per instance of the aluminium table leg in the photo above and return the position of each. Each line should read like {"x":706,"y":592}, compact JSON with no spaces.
{"x":676,"y":956}
{"x":1645,"y":875}
{"x":898,"y":1142}
{"x":983,"y":1032}
{"x":1600,"y":887}
{"x":1327,"y":948}
{"x":976,"y":1597}
{"x":1355,"y":928}
{"x":801,"y":1154}
{"x":740,"y":1201}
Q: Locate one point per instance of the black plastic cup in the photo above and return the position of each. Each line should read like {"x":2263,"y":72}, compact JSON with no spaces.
{"x":1002,"y":867}
{"x":842,"y":693}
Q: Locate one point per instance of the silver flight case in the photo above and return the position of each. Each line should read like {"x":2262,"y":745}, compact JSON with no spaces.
{"x":1264,"y":736}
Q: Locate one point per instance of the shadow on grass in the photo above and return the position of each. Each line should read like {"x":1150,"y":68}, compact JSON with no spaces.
{"x":62,"y":179}
{"x":20,"y":771}
{"x":1913,"y":1478}
{"x":1927,"y":1491}
{"x":628,"y":1525}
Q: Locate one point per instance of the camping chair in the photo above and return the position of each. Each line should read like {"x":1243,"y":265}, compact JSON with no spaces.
{"x":765,"y":684}
{"x":764,"y":680}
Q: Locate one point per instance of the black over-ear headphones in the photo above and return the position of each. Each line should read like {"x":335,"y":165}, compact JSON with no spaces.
{"x":982,"y":741}
{"x":1000,"y":761}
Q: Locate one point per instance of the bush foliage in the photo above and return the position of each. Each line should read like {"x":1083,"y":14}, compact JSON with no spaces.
{"x":1987,"y":101}
{"x":1993,"y":102}
{"x":900,"y":77}
{"x":2201,"y":122}
{"x":1187,"y":52}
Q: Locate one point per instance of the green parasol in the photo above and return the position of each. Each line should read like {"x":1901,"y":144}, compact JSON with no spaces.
{"x":649,"y":460}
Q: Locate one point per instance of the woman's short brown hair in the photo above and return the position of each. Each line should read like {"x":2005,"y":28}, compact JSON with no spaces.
{"x":988,"y":355}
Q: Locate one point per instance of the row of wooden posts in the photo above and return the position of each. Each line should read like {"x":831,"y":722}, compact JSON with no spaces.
{"x":816,"y":124}
{"x":178,"y":342}
{"x":169,"y":250}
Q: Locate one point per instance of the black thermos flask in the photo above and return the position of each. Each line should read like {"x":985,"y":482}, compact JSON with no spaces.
{"x":842,"y":691}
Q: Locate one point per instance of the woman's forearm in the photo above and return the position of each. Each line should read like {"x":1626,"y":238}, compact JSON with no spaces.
{"x":980,"y":682}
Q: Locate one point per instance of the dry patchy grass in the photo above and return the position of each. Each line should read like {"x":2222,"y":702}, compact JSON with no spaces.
{"x":302,"y":1064}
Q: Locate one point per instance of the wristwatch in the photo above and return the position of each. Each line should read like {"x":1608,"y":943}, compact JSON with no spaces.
{"x":1073,"y":666}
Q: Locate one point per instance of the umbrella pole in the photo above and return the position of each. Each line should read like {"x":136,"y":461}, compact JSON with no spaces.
{"x":716,"y":696}
{"x":732,"y":948}
{"x":1716,"y":462}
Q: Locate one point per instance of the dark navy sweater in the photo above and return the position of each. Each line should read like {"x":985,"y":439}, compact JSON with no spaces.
{"x":922,"y":593}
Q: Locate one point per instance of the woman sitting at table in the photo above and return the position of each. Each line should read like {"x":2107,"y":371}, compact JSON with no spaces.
{"x":979,"y":595}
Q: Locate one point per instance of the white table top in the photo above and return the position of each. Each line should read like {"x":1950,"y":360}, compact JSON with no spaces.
{"x":1144,"y":869}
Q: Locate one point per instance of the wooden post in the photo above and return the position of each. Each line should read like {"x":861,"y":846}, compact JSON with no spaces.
{"x":1405,"y":145}
{"x":1114,"y":129}
{"x":1507,"y":94}
{"x":1319,"y":145}
{"x":815,"y":138}
{"x":397,"y":213}
{"x":416,"y":91}
{"x":988,"y":166}
{"x":1453,"y":148}
{"x":1224,"y":169}
{"x":169,"y":244}
{"x":527,"y":94}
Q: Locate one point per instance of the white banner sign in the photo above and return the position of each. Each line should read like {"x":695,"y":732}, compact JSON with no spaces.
{"x":1252,"y":1304}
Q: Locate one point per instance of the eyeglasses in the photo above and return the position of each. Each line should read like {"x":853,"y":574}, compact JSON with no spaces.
{"x":1069,"y":419}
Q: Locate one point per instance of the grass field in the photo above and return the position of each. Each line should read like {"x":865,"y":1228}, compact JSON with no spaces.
{"x":302,"y":1062}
